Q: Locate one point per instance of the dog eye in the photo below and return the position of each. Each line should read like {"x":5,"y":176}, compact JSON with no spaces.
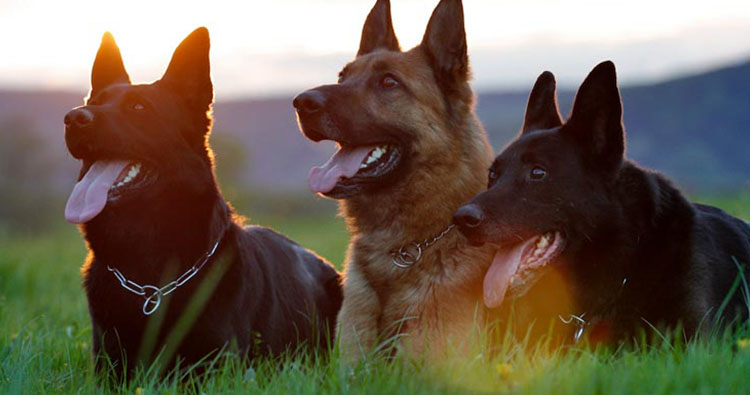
{"x":491,"y":178}
{"x":389,"y":81}
{"x":538,"y":174}
{"x":137,"y":106}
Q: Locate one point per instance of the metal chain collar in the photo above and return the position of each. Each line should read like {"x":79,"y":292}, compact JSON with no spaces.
{"x":152,"y":294}
{"x":580,"y":322}
{"x":410,"y":254}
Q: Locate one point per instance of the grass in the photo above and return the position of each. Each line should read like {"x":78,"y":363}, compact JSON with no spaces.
{"x":45,"y":341}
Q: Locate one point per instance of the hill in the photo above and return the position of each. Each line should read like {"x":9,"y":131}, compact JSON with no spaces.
{"x":695,"y":128}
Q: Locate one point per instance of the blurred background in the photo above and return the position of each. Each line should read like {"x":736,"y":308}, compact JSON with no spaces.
{"x":684,"y":70}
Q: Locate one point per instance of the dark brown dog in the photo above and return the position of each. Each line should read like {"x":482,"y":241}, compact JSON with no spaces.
{"x":411,"y":152}
{"x":170,"y":270}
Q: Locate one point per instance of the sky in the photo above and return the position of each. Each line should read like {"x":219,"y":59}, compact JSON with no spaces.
{"x":268,"y":48}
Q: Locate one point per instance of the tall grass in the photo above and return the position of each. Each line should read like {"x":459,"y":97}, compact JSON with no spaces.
{"x":45,"y":341}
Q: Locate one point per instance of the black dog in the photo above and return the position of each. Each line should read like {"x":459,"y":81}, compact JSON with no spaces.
{"x":156,"y":224}
{"x":596,"y":239}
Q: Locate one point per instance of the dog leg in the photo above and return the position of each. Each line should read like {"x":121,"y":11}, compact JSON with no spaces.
{"x":358,"y":319}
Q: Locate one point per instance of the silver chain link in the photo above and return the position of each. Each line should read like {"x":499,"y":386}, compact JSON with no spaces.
{"x":152,"y":294}
{"x":580,"y":322}
{"x":410,"y":254}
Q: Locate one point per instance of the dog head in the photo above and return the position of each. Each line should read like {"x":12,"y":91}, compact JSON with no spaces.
{"x":393,"y":114}
{"x":142,"y":144}
{"x":548,"y":190}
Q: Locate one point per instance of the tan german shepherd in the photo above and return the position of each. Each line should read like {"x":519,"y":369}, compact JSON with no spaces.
{"x":411,"y":152}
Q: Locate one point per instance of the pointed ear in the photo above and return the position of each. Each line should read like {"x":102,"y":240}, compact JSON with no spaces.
{"x":541,"y":111}
{"x":108,"y":67}
{"x":444,"y":42}
{"x":596,"y":118}
{"x":189,"y":71}
{"x":377,"y":33}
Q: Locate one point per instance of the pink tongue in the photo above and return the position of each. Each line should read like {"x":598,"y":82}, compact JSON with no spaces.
{"x":343,"y":164}
{"x":89,"y":196}
{"x":504,"y":266}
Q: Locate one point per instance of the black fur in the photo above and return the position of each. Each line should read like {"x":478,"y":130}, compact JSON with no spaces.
{"x":637,"y":253}
{"x":271,"y":294}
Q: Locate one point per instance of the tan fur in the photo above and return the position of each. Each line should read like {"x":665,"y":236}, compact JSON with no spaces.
{"x":437,"y":300}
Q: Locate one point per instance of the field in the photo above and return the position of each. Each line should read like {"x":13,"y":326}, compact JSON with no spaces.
{"x":45,"y":341}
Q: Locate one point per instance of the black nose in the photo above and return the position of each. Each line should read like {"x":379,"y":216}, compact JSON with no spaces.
{"x":468,"y":216}
{"x":310,"y":101}
{"x":79,"y":117}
